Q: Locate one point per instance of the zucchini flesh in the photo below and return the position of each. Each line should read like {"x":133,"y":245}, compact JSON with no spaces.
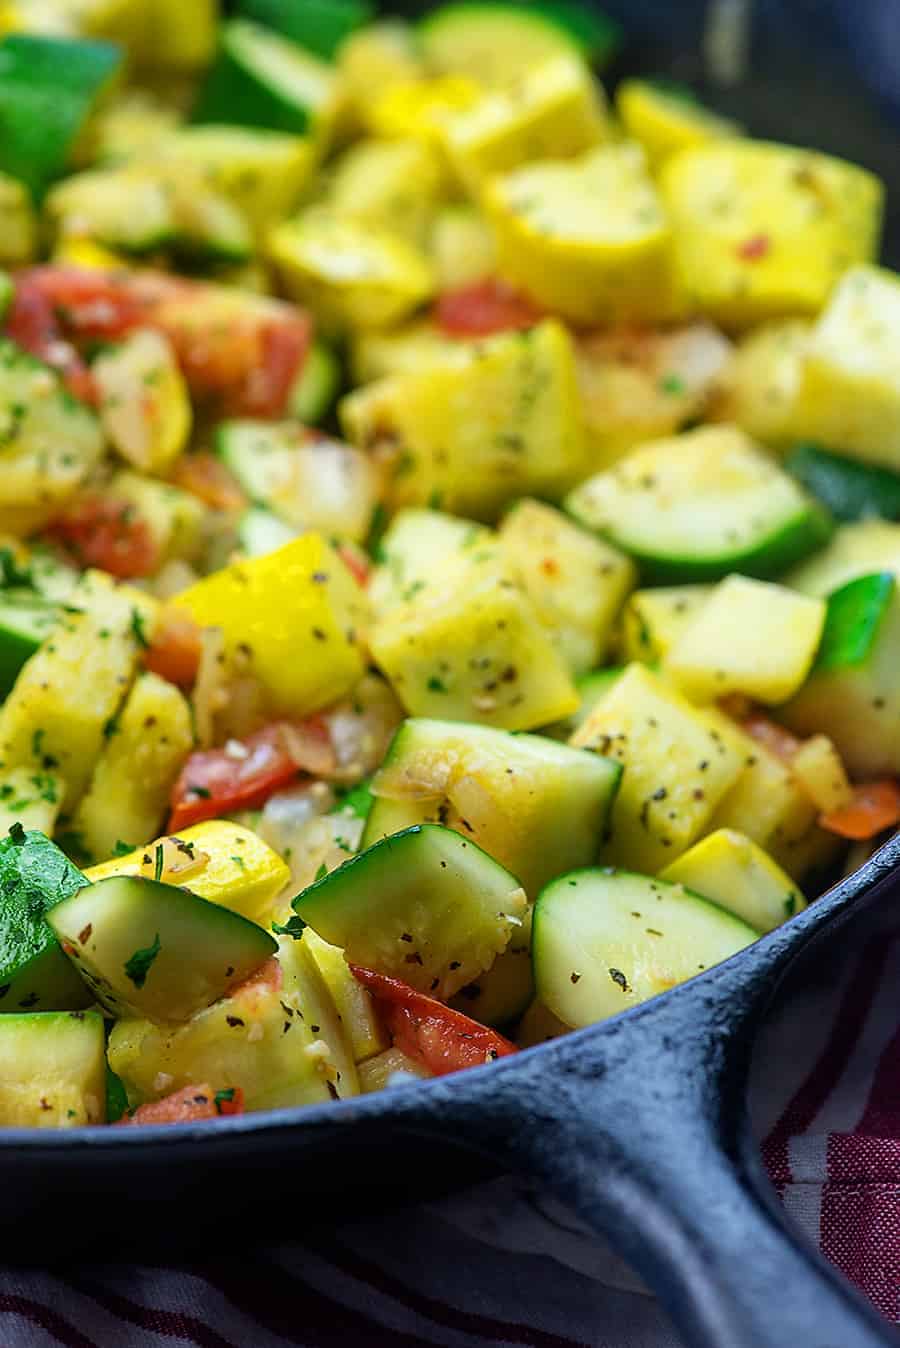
{"x":605,"y":940}
{"x":52,"y":1069}
{"x":424,"y":905}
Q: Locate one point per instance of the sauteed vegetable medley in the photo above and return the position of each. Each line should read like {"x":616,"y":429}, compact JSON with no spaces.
{"x":450,"y":559}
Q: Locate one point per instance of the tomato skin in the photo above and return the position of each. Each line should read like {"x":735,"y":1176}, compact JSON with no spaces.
{"x":267,"y":386}
{"x":213,"y":782}
{"x":175,"y":650}
{"x":875,"y":807}
{"x":484,"y":308}
{"x":188,"y":1105}
{"x":105,"y":532}
{"x":32,"y":324}
{"x":356,"y":563}
{"x":442,"y":1039}
{"x":205,"y":477}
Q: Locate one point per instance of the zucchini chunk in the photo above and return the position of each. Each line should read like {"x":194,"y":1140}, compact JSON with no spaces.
{"x":150,"y":949}
{"x":653,"y":620}
{"x":537,"y":806}
{"x":424,"y":905}
{"x":260,"y":532}
{"x":52,"y":1069}
{"x":853,"y":692}
{"x":25,"y":621}
{"x":850,"y":490}
{"x":699,"y":505}
{"x":605,"y":940}
{"x":731,"y":870}
{"x":412,"y":550}
{"x":34,"y":972}
{"x":316,"y":386}
{"x":318,"y":25}
{"x":860,"y":549}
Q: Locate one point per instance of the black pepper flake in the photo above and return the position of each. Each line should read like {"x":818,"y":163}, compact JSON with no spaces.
{"x":315,"y":1028}
{"x":414,"y":958}
{"x":332,"y":1090}
{"x":234,"y":1022}
{"x":619,"y":978}
{"x":574,"y":977}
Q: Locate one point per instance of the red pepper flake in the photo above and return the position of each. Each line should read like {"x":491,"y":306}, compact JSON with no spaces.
{"x":751,"y":250}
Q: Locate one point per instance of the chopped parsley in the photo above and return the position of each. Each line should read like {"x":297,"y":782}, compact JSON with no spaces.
{"x":159,"y":861}
{"x":122,"y":849}
{"x":295,"y":926}
{"x":138,"y":965}
{"x":224,"y":1097}
{"x":137,"y":628}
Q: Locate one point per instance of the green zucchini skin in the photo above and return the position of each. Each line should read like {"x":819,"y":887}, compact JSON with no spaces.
{"x":850,"y":490}
{"x":237,"y":91}
{"x":25,"y":620}
{"x":318,"y":25}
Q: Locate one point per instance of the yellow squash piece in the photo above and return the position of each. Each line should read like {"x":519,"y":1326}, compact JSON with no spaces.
{"x":219,"y":860}
{"x":354,"y":1003}
{"x":470,"y":647}
{"x":749,"y":637}
{"x":588,"y":264}
{"x":576,"y":582}
{"x":731,"y":870}
{"x":377,"y":57}
{"x":664,"y":123}
{"x":763,"y":230}
{"x":29,"y":798}
{"x":555,"y":110}
{"x":653,"y":620}
{"x":462,"y":246}
{"x":144,"y":402}
{"x":18,"y":224}
{"x":420,"y":107}
{"x":349,"y":273}
{"x":414,"y":347}
{"x":678,"y":766}
{"x":296,"y":614}
{"x":392,"y":185}
{"x":473,"y":434}
{"x":758,"y":389}
{"x":820,"y":770}
{"x":52,"y":1069}
{"x":849,"y":395}
{"x":175,"y":518}
{"x":146,"y":746}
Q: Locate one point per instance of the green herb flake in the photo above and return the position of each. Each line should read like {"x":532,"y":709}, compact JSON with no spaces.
{"x":138,"y":965}
{"x":295,"y":926}
{"x":159,"y":859}
{"x":122,"y":849}
{"x":436,"y":685}
{"x":673,"y":384}
{"x":238,"y":861}
{"x":137,"y":628}
{"x":224,"y":1097}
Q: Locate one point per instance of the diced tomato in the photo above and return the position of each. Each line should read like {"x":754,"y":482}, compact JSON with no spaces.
{"x":109,"y":533}
{"x":245,"y":773}
{"x":356,"y":562}
{"x":87,"y":303}
{"x":188,"y":1105}
{"x":483,"y":308}
{"x":32,"y":324}
{"x":442,"y":1039}
{"x":267,"y":386}
{"x":175,"y":650}
{"x":206,"y":477}
{"x":772,"y":736}
{"x":874,"y":808}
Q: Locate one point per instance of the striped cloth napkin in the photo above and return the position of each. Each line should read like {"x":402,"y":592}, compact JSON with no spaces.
{"x":504,"y":1265}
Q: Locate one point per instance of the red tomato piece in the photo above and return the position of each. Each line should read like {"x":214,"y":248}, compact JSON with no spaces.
{"x":175,"y":650}
{"x":243,"y":776}
{"x":875,"y":807}
{"x":268,"y":383}
{"x":483,"y":308}
{"x":106,"y":532}
{"x":32,"y":324}
{"x":356,"y":562}
{"x":206,"y":477}
{"x":188,"y":1105}
{"x":87,"y":303}
{"x":442,"y":1039}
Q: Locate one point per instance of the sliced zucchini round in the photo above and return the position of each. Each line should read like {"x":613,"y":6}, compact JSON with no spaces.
{"x":606,"y":939}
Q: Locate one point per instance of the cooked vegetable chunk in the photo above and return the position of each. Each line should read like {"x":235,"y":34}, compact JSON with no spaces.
{"x":144,"y":402}
{"x":678,"y":767}
{"x":758,"y":389}
{"x":729,"y":869}
{"x":390,"y":185}
{"x":29,"y":798}
{"x":749,"y":637}
{"x":150,"y":949}
{"x":653,"y":620}
{"x":299,"y":598}
{"x":763,"y":230}
{"x":438,"y":910}
{"x":849,"y":394}
{"x":52,"y":1069}
{"x":606,"y":940}
{"x":754,"y":517}
{"x":664,"y":122}
{"x":18,"y":225}
{"x":412,"y":549}
{"x":587,"y":265}
{"x":849,"y":489}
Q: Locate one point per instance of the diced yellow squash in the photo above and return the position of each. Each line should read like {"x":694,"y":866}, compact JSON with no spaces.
{"x":375,"y":58}
{"x":678,"y":767}
{"x":462,"y":246}
{"x":470,"y":647}
{"x":555,"y":110}
{"x":576,"y":582}
{"x":175,"y":518}
{"x":178,"y":37}
{"x":353,"y":1002}
{"x":132,"y":122}
{"x":475,"y":434}
{"x":664,"y":123}
{"x":769,"y":804}
{"x":653,"y":620}
{"x":820,"y":770}
{"x":413,"y":550}
{"x":219,"y":860}
{"x":419,"y":107}
{"x":392,"y":185}
{"x":65,"y":696}
{"x":758,"y":388}
{"x":146,"y":745}
{"x":763,"y":230}
{"x":18,"y":223}
{"x":750,"y":637}
{"x":52,"y":1069}
{"x":75,"y":251}
{"x":640,"y":383}
{"x":262,"y":172}
{"x":349,"y":273}
{"x":409,"y":349}
{"x":144,"y":402}
{"x":735,"y":873}
{"x":377,"y":1073}
{"x":297,"y":616}
{"x":849,"y":394}
{"x":588,"y":264}
{"x":30,"y":798}
{"x":854,"y":550}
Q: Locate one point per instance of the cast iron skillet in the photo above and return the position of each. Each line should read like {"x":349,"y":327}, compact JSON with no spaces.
{"x":638,"y":1123}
